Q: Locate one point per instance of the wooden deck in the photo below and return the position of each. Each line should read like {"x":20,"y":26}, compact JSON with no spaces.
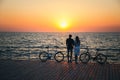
{"x":51,"y":70}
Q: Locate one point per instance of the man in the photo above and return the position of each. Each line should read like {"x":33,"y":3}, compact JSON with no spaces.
{"x":69,"y":44}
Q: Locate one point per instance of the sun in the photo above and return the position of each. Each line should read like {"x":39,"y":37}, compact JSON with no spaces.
{"x":63,"y":24}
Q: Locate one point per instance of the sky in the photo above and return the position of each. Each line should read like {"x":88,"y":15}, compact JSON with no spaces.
{"x":59,"y":15}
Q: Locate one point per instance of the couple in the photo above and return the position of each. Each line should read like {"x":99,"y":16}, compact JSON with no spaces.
{"x":70,"y":43}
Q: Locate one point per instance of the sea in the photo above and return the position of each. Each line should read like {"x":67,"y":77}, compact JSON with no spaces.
{"x":28,"y":45}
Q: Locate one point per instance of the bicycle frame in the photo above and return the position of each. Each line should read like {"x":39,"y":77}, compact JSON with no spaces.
{"x":96,"y":53}
{"x":48,"y":51}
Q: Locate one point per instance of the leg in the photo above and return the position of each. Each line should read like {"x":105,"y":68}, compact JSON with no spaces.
{"x":76,"y":58}
{"x":68,"y":55}
{"x":71,"y":51}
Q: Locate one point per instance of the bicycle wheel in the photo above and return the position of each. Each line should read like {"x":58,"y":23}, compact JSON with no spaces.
{"x":43,"y":56}
{"x":101,"y":58}
{"x":84,"y":58}
{"x":59,"y":56}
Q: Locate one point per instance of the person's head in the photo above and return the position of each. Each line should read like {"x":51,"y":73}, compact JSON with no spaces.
{"x":70,"y":35}
{"x":77,"y":38}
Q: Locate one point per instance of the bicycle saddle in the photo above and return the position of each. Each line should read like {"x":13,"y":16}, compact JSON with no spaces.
{"x":47,"y":47}
{"x":97,"y":49}
{"x":56,"y":46}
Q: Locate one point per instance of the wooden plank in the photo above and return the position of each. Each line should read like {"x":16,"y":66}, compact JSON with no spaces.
{"x":51,"y":70}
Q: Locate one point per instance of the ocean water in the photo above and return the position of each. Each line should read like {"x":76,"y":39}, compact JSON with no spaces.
{"x":28,"y":45}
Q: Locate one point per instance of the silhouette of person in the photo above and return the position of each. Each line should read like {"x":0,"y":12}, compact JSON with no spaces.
{"x":76,"y":48}
{"x":69,"y":44}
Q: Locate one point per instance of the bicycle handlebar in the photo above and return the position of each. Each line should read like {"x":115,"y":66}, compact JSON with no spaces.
{"x":54,"y":47}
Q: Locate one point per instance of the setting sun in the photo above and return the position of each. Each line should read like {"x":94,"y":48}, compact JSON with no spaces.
{"x":63,"y":25}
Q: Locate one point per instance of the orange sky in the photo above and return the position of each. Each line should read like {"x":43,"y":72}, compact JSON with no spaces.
{"x":48,"y":15}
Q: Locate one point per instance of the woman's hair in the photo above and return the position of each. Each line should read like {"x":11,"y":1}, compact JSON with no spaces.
{"x":77,"y":39}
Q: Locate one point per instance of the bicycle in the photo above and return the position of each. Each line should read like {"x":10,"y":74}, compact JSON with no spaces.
{"x":58,"y":55}
{"x":99,"y":57}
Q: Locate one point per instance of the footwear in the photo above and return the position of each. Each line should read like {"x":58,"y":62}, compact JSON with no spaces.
{"x":70,"y":61}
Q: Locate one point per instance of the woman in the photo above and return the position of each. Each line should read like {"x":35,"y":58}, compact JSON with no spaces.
{"x":76,"y":48}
